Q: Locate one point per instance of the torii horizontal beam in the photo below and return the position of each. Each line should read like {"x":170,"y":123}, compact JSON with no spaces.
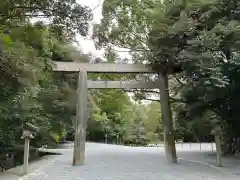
{"x":122,"y":84}
{"x":101,"y":67}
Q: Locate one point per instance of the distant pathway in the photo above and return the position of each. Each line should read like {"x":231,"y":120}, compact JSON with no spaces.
{"x":110,"y":162}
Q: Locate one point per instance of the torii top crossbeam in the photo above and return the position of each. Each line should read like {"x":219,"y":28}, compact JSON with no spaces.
{"x":101,"y":67}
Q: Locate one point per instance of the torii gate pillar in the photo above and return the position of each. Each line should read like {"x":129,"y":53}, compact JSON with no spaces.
{"x":81,"y":120}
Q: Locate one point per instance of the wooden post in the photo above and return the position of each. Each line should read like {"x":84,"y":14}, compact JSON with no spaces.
{"x":26,"y":155}
{"x":217,"y":130}
{"x":27,"y":135}
{"x":169,"y":141}
{"x":105,"y":138}
{"x":117,"y":139}
{"x":81,"y":120}
{"x":218,"y":150}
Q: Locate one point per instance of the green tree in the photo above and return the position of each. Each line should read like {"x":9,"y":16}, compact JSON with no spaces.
{"x":153,"y":122}
{"x":135,"y":23}
{"x":195,"y":43}
{"x":66,"y":17}
{"x":136,"y":130}
{"x":29,"y":91}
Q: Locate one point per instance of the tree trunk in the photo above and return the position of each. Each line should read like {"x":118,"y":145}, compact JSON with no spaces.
{"x":218,"y":151}
{"x":169,"y":141}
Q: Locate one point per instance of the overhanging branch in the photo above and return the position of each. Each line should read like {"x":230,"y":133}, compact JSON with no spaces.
{"x":179,"y":81}
{"x":172,"y":99}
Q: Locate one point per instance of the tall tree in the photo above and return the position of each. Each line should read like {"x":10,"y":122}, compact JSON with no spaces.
{"x":67,"y":17}
{"x":28,"y":89}
{"x":153,"y":121}
{"x":128,"y":25}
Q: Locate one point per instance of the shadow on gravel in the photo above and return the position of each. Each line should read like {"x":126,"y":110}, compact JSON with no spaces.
{"x":230,"y":164}
{"x":13,"y":170}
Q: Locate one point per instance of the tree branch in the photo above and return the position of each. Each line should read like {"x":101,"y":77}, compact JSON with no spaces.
{"x":149,"y":99}
{"x":142,"y":91}
{"x":97,"y":6}
{"x":172,"y":99}
{"x":156,"y":100}
{"x":135,"y":50}
{"x":179,"y":81}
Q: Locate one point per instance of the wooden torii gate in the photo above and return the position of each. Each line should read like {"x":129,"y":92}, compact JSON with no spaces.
{"x":84,"y":84}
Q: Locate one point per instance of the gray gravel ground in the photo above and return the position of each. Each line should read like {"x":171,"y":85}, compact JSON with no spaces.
{"x":111,"y":162}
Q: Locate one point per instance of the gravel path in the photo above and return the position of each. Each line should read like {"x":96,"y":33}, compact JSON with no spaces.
{"x":111,"y":162}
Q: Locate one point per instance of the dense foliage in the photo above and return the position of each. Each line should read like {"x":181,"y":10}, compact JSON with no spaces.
{"x":27,"y":88}
{"x":31,"y":92}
